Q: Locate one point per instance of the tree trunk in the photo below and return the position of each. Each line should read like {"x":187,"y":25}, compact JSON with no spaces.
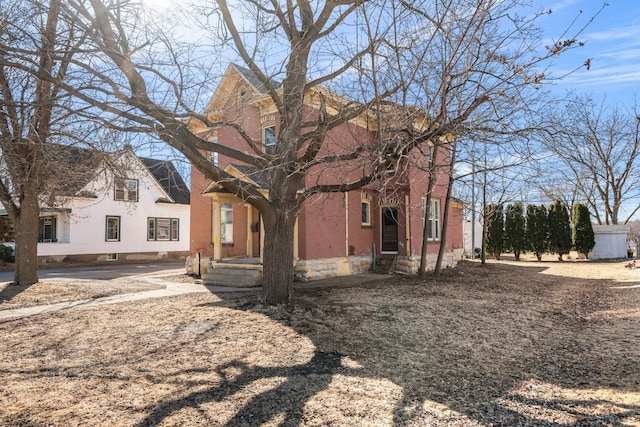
{"x":422,"y":270}
{"x":445,"y":215}
{"x":26,"y":226}
{"x":277,"y":261}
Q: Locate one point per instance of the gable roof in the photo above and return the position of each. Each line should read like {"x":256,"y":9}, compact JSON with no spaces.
{"x":230,"y":78}
{"x":77,"y":165}
{"x":85,"y":163}
{"x":253,"y":80}
{"x":169,"y":179}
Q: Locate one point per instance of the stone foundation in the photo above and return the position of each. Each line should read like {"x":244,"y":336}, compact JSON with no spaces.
{"x":411,"y":264}
{"x":307,"y":270}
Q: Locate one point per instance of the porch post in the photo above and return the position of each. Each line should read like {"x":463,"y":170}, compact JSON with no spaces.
{"x":217,"y":215}
{"x":261,"y":240}
{"x":249,"y":232}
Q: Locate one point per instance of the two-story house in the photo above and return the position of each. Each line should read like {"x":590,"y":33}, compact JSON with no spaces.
{"x":336,"y":234}
{"x":121,"y":210}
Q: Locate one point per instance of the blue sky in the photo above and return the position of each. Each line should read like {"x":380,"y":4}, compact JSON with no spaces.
{"x":612,"y":45}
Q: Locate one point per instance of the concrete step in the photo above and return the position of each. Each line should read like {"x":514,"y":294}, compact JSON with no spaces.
{"x":384,"y":264}
{"x":238,"y":277}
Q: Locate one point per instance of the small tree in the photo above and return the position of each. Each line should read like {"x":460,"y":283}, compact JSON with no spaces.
{"x":559,"y":229}
{"x":583,"y":236}
{"x":495,"y":230}
{"x":537,"y":230}
{"x":514,"y":229}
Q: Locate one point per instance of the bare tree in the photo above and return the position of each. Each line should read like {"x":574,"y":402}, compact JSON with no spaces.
{"x":598,"y":149}
{"x":34,"y":113}
{"x":50,"y":145}
{"x":459,"y":62}
{"x":304,"y":34}
{"x":477,"y":73}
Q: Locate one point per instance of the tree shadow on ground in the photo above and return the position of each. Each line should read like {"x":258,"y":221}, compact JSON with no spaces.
{"x":11,"y":290}
{"x":499,"y":345}
{"x":301,"y":382}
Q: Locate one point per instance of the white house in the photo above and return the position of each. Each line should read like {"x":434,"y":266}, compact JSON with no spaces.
{"x":137,"y":209}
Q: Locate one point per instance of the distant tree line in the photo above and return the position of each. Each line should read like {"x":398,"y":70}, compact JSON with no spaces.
{"x":541,"y":230}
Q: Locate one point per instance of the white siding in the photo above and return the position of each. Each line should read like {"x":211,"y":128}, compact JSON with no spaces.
{"x":82,"y":231}
{"x":611,"y":241}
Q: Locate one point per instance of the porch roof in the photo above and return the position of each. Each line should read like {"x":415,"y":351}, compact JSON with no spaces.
{"x":250,"y":174}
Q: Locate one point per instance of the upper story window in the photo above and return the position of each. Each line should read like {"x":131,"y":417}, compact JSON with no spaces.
{"x":242,"y":98}
{"x":269,"y":138}
{"x":126,"y":189}
{"x":213,"y":156}
{"x":392,"y":157}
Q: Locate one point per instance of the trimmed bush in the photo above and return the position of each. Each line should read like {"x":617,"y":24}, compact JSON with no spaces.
{"x":583,"y":237}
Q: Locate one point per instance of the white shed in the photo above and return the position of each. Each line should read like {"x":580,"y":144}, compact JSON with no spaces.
{"x":611,"y":241}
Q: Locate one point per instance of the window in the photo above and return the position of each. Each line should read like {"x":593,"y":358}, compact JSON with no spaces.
{"x":434,"y":218}
{"x":242,"y":98}
{"x":269,"y":138}
{"x":47,"y":229}
{"x":213,"y":156}
{"x":392,"y":157}
{"x":163,"y":229}
{"x":126,"y":189}
{"x":226,"y":223}
{"x":366,"y":212}
{"x":113,"y":229}
{"x":175,"y":234}
{"x":151,"y":229}
{"x":111,"y":257}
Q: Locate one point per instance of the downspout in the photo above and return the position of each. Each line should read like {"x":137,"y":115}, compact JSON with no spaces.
{"x":407,"y":221}
{"x":346,"y":224}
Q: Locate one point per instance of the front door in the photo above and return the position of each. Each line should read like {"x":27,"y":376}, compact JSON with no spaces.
{"x":389,"y":229}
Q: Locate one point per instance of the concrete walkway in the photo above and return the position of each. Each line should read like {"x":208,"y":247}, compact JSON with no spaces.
{"x":170,"y":289}
{"x":174,"y":289}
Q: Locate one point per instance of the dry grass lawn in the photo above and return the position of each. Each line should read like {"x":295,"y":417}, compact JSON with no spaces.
{"x":528,"y":343}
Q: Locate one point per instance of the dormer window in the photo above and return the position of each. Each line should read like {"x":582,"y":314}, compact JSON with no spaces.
{"x":126,"y":189}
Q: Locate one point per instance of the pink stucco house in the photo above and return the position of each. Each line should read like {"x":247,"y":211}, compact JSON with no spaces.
{"x":336,"y":234}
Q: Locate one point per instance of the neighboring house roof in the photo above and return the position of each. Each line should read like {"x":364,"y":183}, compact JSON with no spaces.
{"x":169,"y":179}
{"x":78,"y":166}
{"x":85,"y":163}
